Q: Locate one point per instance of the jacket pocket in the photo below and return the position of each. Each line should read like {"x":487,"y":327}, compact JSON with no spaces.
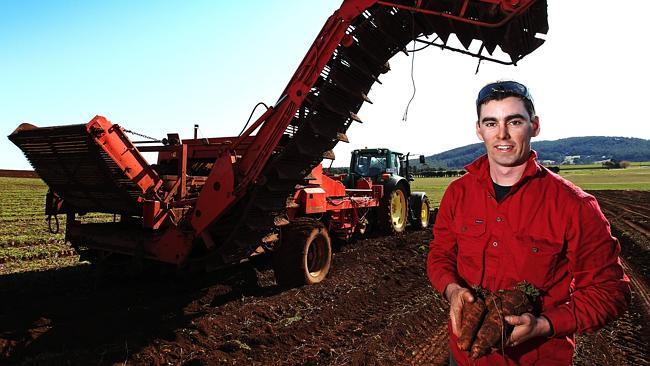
{"x":536,"y":260}
{"x":470,"y":239}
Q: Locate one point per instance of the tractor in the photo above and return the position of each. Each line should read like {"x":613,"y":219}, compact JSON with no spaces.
{"x":372,"y":194}
{"x":390,"y":169}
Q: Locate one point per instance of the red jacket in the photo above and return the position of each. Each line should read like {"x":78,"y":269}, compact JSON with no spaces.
{"x":546,"y":231}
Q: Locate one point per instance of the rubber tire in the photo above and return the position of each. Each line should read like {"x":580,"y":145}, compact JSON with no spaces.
{"x":420,"y":223}
{"x":304,"y":256}
{"x":385,"y":217}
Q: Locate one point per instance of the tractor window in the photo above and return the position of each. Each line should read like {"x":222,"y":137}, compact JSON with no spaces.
{"x":370,"y":166}
{"x":362,"y":166}
{"x":396,"y":163}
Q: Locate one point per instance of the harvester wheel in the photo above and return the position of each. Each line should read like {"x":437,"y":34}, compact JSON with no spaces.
{"x":304,"y":256}
{"x":393,"y":211}
{"x":422,"y":217}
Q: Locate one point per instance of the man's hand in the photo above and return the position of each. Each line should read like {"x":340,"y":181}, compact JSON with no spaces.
{"x":457,"y":296}
{"x":527,"y":326}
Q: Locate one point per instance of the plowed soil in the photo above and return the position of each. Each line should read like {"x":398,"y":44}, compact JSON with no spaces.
{"x":18,"y":173}
{"x":375,"y":308}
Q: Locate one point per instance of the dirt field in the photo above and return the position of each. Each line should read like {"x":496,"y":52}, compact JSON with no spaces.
{"x":18,"y":173}
{"x":376,"y":307}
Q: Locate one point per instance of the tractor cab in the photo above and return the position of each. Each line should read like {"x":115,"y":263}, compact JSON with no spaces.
{"x":376,"y":164}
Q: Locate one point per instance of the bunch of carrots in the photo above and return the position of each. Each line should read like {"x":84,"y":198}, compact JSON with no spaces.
{"x":483,"y":326}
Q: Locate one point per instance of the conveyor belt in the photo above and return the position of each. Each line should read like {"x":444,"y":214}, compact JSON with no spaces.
{"x":331,"y":107}
{"x":72,"y":164}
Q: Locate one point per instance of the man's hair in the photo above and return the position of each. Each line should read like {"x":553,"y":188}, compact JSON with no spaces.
{"x":503,"y":89}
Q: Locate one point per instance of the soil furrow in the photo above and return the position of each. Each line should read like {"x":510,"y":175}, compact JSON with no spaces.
{"x":376,"y":308}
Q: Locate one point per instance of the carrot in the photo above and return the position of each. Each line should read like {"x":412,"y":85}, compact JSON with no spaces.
{"x":494,"y":330}
{"x":491,"y":328}
{"x":472,"y":317}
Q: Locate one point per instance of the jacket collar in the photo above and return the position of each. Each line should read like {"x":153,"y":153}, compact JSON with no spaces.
{"x":480,"y":169}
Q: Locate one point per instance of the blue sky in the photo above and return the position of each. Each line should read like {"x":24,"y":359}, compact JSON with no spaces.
{"x":151,"y":66}
{"x":161,"y":66}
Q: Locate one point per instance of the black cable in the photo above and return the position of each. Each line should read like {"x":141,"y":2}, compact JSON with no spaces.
{"x":417,"y":50}
{"x":406,"y":111}
{"x":49,"y":223}
{"x":480,"y":59}
{"x":251,"y":116}
{"x":421,"y":48}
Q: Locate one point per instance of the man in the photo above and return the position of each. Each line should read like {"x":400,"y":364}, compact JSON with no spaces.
{"x":510,"y":219}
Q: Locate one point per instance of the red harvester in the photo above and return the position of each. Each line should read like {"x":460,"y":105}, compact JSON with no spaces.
{"x":215,"y":201}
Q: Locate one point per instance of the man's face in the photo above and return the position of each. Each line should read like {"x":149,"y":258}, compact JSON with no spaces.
{"x":506,"y":129}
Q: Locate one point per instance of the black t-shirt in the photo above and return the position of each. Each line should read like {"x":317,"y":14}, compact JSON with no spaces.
{"x":500,"y":191}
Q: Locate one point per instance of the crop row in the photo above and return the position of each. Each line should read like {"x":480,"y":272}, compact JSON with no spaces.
{"x":38,"y":264}
{"x":33,"y":252}
{"x":25,"y":241}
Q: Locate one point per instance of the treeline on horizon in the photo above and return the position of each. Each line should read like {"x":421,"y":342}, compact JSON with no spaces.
{"x":573,"y":150}
{"x":580,"y":150}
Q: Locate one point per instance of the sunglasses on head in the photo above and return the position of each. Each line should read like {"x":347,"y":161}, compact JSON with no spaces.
{"x":503,"y":88}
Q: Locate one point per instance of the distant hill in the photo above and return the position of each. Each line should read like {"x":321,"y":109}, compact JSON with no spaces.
{"x":574,"y":150}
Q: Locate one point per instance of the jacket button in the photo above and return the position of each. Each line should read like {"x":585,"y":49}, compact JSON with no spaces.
{"x":499,"y":219}
{"x":535,"y":249}
{"x":494,"y":244}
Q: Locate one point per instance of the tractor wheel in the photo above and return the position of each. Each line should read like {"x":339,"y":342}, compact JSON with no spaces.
{"x":393,"y":212}
{"x":421,"y":212}
{"x":304,"y":256}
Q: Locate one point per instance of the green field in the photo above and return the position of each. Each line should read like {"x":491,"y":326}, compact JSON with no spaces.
{"x":22,"y":213}
{"x":587,"y":177}
{"x":26,"y":243}
{"x":434,"y":187}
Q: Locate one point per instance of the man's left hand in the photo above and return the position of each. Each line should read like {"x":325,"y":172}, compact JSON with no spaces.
{"x":527,"y":326}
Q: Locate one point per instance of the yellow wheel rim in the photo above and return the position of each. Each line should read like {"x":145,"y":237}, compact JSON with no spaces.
{"x":424,"y":214}
{"x":398,"y":209}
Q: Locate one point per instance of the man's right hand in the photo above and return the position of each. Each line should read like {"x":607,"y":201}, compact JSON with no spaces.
{"x":457,"y":297}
